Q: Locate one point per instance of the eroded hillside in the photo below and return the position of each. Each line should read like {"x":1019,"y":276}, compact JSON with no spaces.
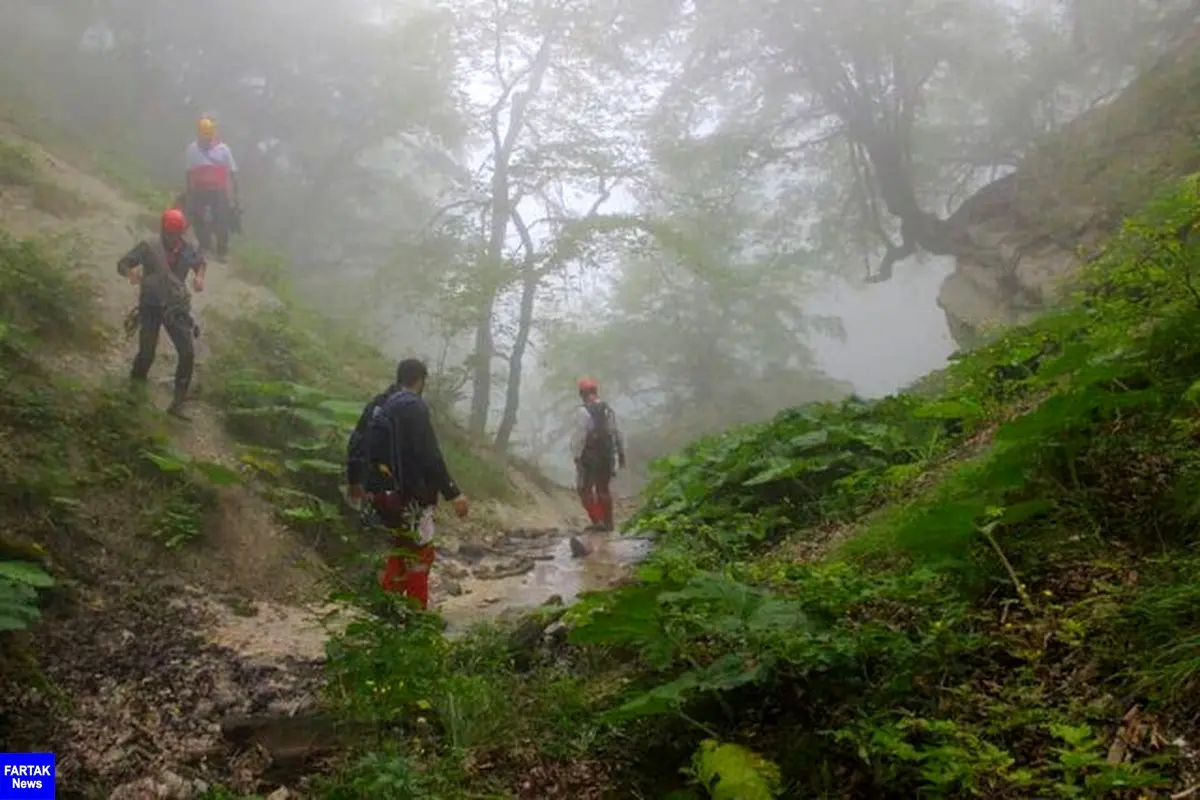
{"x":1071,"y":194}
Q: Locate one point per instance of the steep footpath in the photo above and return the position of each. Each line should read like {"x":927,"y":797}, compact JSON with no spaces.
{"x":147,"y":650}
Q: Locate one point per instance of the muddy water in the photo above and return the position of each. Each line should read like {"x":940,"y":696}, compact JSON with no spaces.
{"x":528,"y":568}
{"x":520,"y":571}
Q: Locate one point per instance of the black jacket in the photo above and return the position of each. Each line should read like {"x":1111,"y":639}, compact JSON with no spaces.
{"x":165,"y":273}
{"x":396,"y":429}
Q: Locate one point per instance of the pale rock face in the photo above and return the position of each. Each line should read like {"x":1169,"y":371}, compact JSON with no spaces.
{"x":977,"y":297}
{"x":1071,"y":193}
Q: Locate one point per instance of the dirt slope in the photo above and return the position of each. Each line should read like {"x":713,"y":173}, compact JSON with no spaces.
{"x":246,"y":551}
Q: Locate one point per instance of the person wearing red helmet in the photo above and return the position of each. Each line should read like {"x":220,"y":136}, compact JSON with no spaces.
{"x":160,"y":267}
{"x":598,"y":450}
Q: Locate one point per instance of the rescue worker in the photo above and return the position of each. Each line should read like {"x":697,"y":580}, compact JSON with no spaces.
{"x":212,"y":188}
{"x":160,"y":266}
{"x":395,"y":465}
{"x":598,"y":450}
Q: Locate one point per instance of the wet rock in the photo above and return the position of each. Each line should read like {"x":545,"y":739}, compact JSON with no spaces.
{"x":291,"y":737}
{"x":472,"y":552}
{"x":555,"y":634}
{"x":164,"y":786}
{"x":528,"y":639}
{"x":454,"y":571}
{"x":452,"y":587}
{"x":578,"y":548}
{"x":505,"y":569}
{"x":554,"y":600}
{"x":282,"y":793}
{"x":532,"y":533}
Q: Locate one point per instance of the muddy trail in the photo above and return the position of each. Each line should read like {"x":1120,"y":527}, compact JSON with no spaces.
{"x":153,"y":689}
{"x":147,"y":660}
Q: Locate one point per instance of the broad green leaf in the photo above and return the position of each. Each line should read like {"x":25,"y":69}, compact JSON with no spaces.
{"x":168,"y":462}
{"x":218,"y":474}
{"x":25,"y":573}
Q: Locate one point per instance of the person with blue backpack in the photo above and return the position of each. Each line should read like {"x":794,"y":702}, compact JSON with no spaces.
{"x":395,"y":465}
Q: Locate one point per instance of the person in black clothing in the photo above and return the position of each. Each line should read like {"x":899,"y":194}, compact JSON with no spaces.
{"x":163,"y":299}
{"x":395,"y":464}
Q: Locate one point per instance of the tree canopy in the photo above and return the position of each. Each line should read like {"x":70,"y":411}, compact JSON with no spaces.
{"x":643,"y":191}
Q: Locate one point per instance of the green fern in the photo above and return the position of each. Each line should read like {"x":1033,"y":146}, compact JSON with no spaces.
{"x":732,"y":772}
{"x":19,"y":585}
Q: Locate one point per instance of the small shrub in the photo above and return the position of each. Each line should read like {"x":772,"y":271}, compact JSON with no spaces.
{"x":18,"y":167}
{"x":19,"y":585}
{"x":41,"y":295}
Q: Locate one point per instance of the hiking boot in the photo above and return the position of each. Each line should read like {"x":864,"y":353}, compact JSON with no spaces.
{"x":578,"y":548}
{"x":176,"y":407}
{"x":176,"y":411}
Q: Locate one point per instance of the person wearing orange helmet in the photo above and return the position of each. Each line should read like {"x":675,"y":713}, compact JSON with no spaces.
{"x":212,"y":187}
{"x":598,"y":450}
{"x":160,"y":267}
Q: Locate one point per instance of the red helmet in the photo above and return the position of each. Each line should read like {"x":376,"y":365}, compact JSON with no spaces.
{"x":587,"y":386}
{"x":173,"y":221}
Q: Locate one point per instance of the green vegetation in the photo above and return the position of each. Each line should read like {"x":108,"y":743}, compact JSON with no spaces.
{"x":19,"y":167}
{"x":262,"y":266}
{"x":987,"y":589}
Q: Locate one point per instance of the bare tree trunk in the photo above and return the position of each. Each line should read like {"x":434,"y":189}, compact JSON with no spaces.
{"x":512,"y":394}
{"x":481,"y":369}
{"x":502,"y":150}
{"x":531,"y":277}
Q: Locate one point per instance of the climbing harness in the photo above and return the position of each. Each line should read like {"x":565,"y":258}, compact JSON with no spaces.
{"x":173,"y":315}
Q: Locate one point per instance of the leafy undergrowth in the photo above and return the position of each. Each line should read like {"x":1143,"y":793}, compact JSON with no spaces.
{"x":984,"y":589}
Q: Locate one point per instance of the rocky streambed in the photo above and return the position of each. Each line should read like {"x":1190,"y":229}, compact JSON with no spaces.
{"x":148,"y":690}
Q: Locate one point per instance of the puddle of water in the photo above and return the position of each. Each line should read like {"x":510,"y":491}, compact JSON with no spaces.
{"x":610,"y":559}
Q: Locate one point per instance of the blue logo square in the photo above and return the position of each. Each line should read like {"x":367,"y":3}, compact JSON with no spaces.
{"x":27,"y":776}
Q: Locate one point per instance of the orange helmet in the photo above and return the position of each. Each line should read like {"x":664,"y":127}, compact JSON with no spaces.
{"x":587,"y":386}
{"x":173,"y":221}
{"x":206,"y":128}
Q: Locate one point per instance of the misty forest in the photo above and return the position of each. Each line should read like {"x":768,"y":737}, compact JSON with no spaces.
{"x":881,"y":311}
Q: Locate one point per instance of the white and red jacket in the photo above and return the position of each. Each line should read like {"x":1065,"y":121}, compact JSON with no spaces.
{"x":209,"y":168}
